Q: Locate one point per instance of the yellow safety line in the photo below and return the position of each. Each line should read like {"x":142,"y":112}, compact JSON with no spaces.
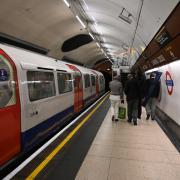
{"x":61,"y":145}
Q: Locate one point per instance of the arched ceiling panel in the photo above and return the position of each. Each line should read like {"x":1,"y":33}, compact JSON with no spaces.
{"x":117,"y":25}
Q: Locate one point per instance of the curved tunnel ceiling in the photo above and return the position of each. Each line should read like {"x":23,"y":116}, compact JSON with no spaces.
{"x":122,"y":28}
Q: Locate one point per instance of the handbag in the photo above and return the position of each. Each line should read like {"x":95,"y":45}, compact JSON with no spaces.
{"x":122,"y":112}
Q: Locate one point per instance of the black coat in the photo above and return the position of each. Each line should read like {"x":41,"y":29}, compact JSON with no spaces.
{"x":132,"y":90}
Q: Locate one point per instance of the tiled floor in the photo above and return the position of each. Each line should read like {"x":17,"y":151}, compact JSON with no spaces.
{"x":122,"y":151}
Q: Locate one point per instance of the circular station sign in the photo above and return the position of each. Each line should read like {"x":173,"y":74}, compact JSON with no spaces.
{"x":3,"y":75}
{"x":169,"y":83}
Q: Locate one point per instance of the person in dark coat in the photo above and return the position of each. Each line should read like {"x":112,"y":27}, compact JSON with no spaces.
{"x":132,"y":94}
{"x":151,"y":89}
{"x":141,"y":81}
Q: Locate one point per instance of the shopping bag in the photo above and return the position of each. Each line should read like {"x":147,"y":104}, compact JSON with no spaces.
{"x":122,"y":112}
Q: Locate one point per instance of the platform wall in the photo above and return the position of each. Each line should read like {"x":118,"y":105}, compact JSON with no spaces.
{"x":169,"y":101}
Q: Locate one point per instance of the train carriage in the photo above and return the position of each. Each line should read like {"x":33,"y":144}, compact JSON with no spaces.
{"x":37,"y":95}
{"x":88,"y":86}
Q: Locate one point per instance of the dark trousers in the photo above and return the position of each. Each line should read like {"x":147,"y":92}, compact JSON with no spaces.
{"x":132,"y":110}
{"x":139,"y":109}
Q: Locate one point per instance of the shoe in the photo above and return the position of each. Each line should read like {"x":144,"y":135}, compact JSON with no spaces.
{"x":113,"y":118}
{"x":116,"y":120}
{"x":148,"y":116}
{"x":135,"y":123}
{"x":129,"y":121}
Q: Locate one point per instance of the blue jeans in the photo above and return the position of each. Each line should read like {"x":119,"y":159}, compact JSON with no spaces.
{"x":151,"y":107}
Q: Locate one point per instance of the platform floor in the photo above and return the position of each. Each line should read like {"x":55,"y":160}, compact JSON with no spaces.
{"x":106,"y":150}
{"x":122,"y":151}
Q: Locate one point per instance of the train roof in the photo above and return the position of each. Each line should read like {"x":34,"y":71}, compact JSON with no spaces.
{"x":31,"y":60}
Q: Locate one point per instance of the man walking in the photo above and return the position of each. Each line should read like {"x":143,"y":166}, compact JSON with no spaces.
{"x":132,"y":94}
{"x":115,"y":97}
{"x":152,"y":89}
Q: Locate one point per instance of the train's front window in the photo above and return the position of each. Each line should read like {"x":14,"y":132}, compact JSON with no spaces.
{"x":7,"y":85}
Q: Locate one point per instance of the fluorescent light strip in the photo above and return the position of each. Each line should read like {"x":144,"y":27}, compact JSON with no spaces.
{"x":84,"y":26}
{"x":96,"y":26}
{"x":93,"y":18}
{"x":91,"y":35}
{"x":86,"y":4}
{"x":98,"y":44}
{"x":110,"y":60}
{"x":67,"y":4}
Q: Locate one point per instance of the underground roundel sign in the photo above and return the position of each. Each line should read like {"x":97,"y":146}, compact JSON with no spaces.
{"x":169,"y":83}
{"x":3,"y":75}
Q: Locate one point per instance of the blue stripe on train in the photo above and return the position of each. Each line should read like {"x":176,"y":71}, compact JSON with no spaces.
{"x":37,"y":134}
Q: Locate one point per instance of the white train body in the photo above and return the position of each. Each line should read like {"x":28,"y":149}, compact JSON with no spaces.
{"x":49,"y":92}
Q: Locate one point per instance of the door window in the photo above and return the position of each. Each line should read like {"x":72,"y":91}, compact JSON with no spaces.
{"x":7,"y":83}
{"x":93,"y":80}
{"x":64,"y":82}
{"x":87,"y":80}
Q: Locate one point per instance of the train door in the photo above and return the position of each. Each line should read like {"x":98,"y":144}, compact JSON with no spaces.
{"x":10,"y":112}
{"x":93,"y":85}
{"x":78,"y":89}
{"x":97,"y":85}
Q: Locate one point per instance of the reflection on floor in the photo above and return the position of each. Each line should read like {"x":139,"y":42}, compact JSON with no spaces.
{"x":122,"y":151}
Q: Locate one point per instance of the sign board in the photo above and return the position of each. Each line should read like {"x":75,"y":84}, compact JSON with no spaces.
{"x":169,"y":83}
{"x":163,"y":38}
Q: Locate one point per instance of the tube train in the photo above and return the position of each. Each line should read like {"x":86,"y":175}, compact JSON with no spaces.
{"x":37,"y":95}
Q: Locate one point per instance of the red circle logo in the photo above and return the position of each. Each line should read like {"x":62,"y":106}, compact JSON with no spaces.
{"x":169,"y":83}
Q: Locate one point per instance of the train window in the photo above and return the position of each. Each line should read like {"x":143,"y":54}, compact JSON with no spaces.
{"x":93,"y":80}
{"x":87,"y":80}
{"x":7,"y":83}
{"x":40,"y":85}
{"x":64,"y":82}
{"x":101,"y":80}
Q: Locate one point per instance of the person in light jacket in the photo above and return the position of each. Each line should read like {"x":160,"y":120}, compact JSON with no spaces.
{"x":116,"y":96}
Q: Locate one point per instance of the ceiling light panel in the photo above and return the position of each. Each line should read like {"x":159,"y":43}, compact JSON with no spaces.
{"x":81,"y":22}
{"x":67,"y":3}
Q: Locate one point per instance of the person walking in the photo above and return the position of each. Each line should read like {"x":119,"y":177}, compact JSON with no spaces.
{"x":116,"y":96}
{"x":132,"y":95}
{"x":152,"y":89}
{"x":141,"y":80}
